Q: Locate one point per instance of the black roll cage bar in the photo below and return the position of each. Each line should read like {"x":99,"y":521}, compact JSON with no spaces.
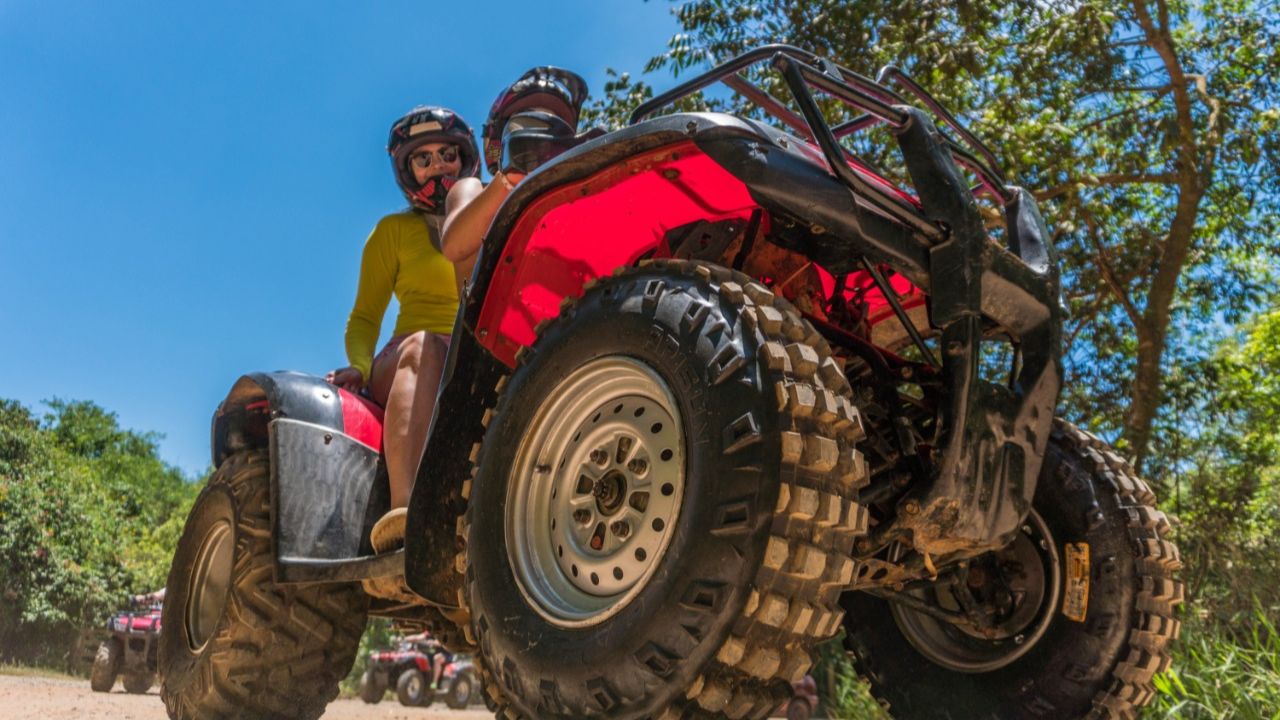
{"x":803,"y":71}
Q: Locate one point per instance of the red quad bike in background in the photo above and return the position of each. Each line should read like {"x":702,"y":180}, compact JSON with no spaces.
{"x":715,"y":391}
{"x":408,"y":668}
{"x":804,"y":700}
{"x":131,"y":650}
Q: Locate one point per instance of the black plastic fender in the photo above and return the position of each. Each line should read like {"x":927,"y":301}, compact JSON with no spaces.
{"x":327,"y":488}
{"x":467,"y":388}
{"x":240,"y":422}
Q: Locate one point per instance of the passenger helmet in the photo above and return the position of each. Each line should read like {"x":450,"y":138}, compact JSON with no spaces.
{"x":430,"y":124}
{"x":551,"y":89}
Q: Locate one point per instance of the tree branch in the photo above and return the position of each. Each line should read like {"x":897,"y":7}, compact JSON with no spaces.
{"x":1108,"y":180}
{"x":1109,"y":275}
{"x":1158,"y":89}
{"x":1215,"y":109}
{"x":1122,"y":113}
{"x":1162,"y":43}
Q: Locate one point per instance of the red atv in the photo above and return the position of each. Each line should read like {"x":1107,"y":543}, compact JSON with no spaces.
{"x":719,"y":386}
{"x":804,"y":700}
{"x":132,"y":650}
{"x":409,"y":669}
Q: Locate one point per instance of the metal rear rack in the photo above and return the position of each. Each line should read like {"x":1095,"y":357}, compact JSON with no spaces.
{"x":804,"y":72}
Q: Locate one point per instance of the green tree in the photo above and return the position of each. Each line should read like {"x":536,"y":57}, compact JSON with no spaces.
{"x":1225,"y":470}
{"x":1148,"y":129}
{"x":88,"y":515}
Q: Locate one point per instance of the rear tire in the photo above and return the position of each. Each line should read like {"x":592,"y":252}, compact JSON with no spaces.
{"x":1099,"y":665}
{"x":106,"y":665}
{"x":139,"y":682}
{"x":740,"y":436}
{"x":234,"y":644}
{"x":461,"y":690}
{"x":411,"y":688}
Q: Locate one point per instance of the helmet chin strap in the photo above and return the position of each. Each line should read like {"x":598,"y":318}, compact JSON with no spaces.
{"x":430,"y":197}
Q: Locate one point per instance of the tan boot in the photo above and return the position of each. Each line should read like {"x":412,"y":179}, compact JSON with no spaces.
{"x":388,"y":533}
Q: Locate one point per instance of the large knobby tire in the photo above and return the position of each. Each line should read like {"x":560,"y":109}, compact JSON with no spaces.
{"x":234,"y":643}
{"x":139,"y":681}
{"x":740,"y":437}
{"x":412,"y":688}
{"x":1098,"y":663}
{"x":106,"y":665}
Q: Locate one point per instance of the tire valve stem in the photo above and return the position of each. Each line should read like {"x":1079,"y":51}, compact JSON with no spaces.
{"x":597,"y":538}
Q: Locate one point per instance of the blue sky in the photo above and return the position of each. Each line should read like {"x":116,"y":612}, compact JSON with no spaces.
{"x":185,"y":188}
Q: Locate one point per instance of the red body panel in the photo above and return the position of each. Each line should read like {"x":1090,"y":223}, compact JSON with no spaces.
{"x":137,"y":623}
{"x":396,"y":657}
{"x":361,"y":419}
{"x":584,"y":230}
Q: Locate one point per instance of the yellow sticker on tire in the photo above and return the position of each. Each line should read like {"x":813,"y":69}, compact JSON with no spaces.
{"x":1075,"y":600}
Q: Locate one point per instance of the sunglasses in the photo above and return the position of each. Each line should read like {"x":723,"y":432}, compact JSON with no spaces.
{"x":422,"y":159}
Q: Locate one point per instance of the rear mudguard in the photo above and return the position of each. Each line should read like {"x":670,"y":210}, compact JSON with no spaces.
{"x":328,"y":484}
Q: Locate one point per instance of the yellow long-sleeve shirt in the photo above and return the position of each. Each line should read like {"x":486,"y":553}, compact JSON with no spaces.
{"x":399,"y":257}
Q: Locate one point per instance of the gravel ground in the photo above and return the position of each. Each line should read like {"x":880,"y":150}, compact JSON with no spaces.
{"x":39,"y":698}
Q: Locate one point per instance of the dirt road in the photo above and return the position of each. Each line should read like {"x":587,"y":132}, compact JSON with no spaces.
{"x":37,"y":698}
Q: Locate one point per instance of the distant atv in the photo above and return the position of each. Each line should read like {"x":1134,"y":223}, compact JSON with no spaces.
{"x":408,"y":668}
{"x":131,"y":650}
{"x":715,"y":391}
{"x":803,"y":702}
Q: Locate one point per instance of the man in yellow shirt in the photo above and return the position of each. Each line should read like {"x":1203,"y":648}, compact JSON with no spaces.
{"x":431,"y":148}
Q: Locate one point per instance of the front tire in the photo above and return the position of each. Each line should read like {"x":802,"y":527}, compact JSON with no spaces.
{"x":411,"y":688}
{"x":1097,"y":642}
{"x":234,"y":644}
{"x":106,"y":665}
{"x":664,"y":494}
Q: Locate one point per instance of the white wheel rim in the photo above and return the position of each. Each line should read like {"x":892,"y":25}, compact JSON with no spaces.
{"x":594,"y":494}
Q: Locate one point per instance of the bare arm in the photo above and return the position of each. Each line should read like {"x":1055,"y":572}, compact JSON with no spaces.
{"x":469,"y":209}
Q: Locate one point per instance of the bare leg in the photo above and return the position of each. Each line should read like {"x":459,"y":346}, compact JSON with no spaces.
{"x":408,"y":392}
{"x":437,"y":667}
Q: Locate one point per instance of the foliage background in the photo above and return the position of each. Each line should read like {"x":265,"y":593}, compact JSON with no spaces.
{"x":89,"y":514}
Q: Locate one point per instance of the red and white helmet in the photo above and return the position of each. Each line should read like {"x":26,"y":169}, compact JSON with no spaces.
{"x":550,"y":89}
